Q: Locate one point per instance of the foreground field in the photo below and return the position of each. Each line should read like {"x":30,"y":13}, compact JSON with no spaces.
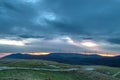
{"x":19,"y":69}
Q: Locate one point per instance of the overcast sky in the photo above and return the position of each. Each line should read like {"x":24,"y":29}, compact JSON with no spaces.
{"x":60,"y":25}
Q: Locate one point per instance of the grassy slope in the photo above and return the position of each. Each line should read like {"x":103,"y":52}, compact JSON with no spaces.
{"x":100,"y":73}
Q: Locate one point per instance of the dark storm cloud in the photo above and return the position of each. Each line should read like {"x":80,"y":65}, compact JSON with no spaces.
{"x":96,"y":20}
{"x":31,"y":36}
{"x":114,"y":40}
{"x":14,"y":14}
{"x":96,"y":17}
{"x":78,"y":17}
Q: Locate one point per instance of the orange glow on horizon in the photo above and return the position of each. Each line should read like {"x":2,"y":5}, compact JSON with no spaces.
{"x":101,"y":54}
{"x":108,"y":55}
{"x":39,"y":53}
{"x":4,"y":54}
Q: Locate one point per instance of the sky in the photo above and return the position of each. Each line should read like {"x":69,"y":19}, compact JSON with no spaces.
{"x":60,"y":26}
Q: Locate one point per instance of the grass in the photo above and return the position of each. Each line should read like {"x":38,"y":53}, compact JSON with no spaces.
{"x":32,"y":63}
{"x":100,"y":72}
{"x":39,"y":75}
{"x":105,"y":69}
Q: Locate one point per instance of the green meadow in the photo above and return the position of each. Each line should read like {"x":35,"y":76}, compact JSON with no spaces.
{"x":20,"y":69}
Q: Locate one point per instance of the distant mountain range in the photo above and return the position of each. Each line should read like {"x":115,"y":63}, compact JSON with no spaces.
{"x":76,"y":59}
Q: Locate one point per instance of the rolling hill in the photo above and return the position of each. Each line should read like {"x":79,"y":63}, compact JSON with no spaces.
{"x":75,"y":59}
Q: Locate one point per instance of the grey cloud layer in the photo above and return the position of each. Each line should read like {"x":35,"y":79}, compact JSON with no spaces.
{"x":49,"y":19}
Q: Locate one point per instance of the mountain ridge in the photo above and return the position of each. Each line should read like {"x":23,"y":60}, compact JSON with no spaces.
{"x":75,"y":59}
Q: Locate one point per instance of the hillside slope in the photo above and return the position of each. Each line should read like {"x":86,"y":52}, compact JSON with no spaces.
{"x":20,"y":69}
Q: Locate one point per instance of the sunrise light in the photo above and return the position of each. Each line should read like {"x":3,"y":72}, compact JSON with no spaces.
{"x":4,"y":54}
{"x":108,"y":55}
{"x":11,"y":42}
{"x":39,"y":53}
{"x":88,"y":44}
